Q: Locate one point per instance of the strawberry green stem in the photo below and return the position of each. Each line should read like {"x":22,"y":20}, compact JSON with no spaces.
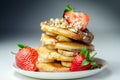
{"x":92,"y":57}
{"x":68,"y":9}
{"x":22,"y":46}
{"x":13,"y":53}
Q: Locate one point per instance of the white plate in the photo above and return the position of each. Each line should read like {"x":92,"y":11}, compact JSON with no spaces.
{"x":62,"y":75}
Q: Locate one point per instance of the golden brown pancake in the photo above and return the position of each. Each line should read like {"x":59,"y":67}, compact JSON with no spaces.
{"x":84,"y":36}
{"x":40,"y":59}
{"x":51,"y":67}
{"x":72,"y":46}
{"x":65,"y":45}
{"x":49,"y":54}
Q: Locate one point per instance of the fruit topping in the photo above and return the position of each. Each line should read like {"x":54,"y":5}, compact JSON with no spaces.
{"x":78,"y":20}
{"x":83,"y":61}
{"x":26,"y":58}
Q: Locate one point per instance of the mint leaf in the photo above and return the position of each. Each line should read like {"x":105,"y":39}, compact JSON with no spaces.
{"x":84,"y":62}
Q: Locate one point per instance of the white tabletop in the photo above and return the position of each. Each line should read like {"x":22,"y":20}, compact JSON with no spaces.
{"x":107,"y":48}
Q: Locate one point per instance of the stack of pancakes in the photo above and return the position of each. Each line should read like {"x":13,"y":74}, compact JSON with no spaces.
{"x":60,"y":46}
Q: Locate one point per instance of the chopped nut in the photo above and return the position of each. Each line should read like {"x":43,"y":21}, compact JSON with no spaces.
{"x":61,"y":23}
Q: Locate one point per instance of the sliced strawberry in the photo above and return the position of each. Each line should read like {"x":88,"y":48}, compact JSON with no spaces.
{"x":76,"y":19}
{"x":85,"y":21}
{"x":26,"y":58}
{"x":72,"y":17}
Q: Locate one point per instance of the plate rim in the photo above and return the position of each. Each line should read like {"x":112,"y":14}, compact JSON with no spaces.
{"x":34,"y":74}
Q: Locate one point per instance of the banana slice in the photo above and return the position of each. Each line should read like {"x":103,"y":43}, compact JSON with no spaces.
{"x":50,"y":54}
{"x":50,"y":46}
{"x":62,"y":38}
{"x":51,"y":34}
{"x":66,"y":64}
{"x":48,"y":40}
{"x":67,"y":53}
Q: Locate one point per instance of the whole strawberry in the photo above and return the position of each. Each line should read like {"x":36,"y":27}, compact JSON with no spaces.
{"x":26,"y":58}
{"x":78,"y":20}
{"x":82,"y":61}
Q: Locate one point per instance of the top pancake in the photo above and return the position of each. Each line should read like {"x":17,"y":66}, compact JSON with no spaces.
{"x":83,"y":36}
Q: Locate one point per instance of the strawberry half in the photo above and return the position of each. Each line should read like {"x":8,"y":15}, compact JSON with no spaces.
{"x":82,"y":61}
{"x":26,"y":58}
{"x":78,"y":20}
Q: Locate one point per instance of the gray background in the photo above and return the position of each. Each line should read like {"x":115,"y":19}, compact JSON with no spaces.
{"x":19,"y":23}
{"x":23,"y":16}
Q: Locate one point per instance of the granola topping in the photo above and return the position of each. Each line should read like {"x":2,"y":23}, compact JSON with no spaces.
{"x":61,"y":23}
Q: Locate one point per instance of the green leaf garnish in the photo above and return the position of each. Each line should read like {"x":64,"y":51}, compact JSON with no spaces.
{"x":88,"y":58}
{"x":96,"y":66}
{"x":87,"y":54}
{"x":93,"y":63}
{"x":92,"y":57}
{"x":85,"y":62}
{"x":68,"y":9}
{"x":22,"y":46}
{"x":83,"y":50}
